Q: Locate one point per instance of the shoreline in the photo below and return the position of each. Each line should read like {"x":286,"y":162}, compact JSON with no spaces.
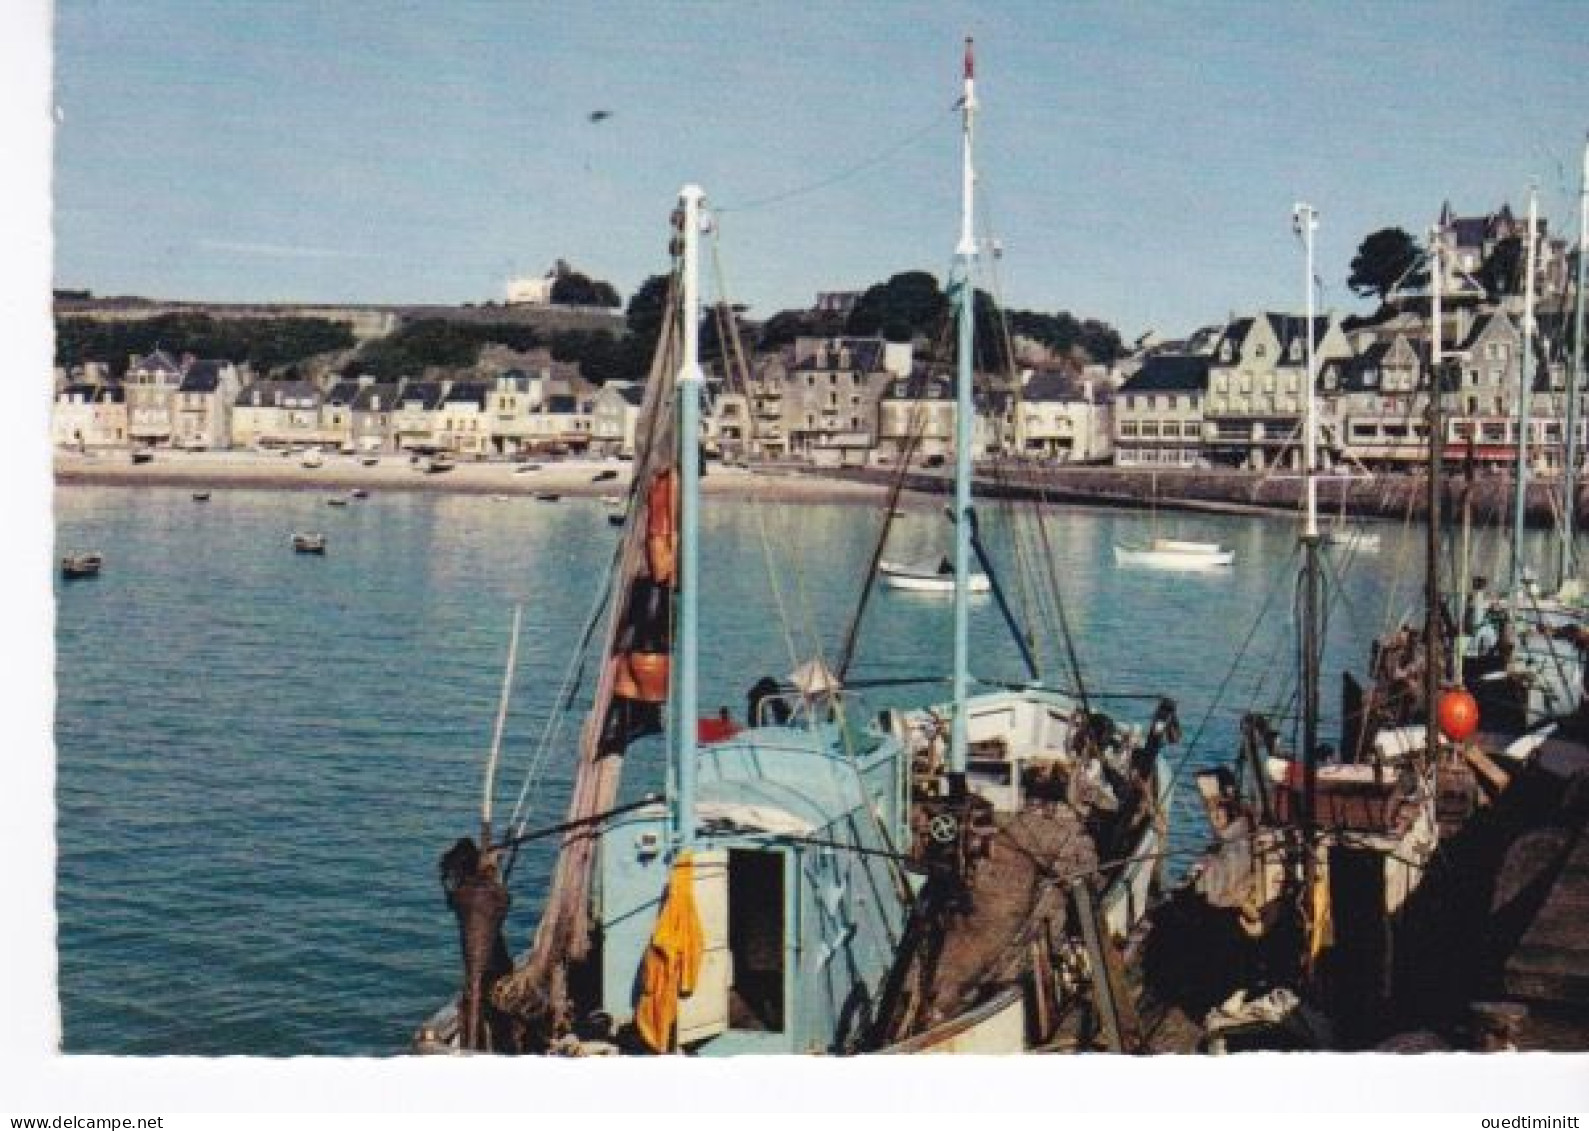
{"x":1391,"y":497}
{"x":573,"y":477}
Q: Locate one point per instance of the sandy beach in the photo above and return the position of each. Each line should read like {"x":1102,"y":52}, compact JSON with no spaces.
{"x":579,"y":477}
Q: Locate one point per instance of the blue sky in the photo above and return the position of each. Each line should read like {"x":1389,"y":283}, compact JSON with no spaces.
{"x":1140,"y":160}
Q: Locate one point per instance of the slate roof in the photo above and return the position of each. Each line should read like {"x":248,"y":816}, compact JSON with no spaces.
{"x":1289,"y":327}
{"x":421,"y":395}
{"x":385,"y":390}
{"x":1050,"y":385}
{"x":1170,"y":373}
{"x":272,"y":394}
{"x":201,"y":377}
{"x":920,"y":386}
{"x":866,"y":354}
{"x":343,"y":394}
{"x":468,"y":392}
{"x":562,"y":403}
{"x":158,"y":361}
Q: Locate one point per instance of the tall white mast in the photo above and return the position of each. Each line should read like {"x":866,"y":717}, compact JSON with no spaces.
{"x":966,"y":254}
{"x":1306,"y":221}
{"x":1569,"y":469}
{"x":1525,"y":388}
{"x":689,"y":583}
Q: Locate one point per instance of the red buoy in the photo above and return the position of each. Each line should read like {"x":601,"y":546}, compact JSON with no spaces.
{"x":1458,"y":715}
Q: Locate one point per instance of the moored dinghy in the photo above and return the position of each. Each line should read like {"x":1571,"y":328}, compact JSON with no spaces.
{"x":81,"y":565}
{"x":309,"y":543}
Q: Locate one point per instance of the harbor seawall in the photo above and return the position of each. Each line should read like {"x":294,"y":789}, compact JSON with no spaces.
{"x":1394,"y":497}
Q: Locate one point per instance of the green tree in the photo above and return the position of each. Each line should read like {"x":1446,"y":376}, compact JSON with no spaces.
{"x":1386,"y":260}
{"x":574,"y":289}
{"x":645,"y":313}
{"x":910,"y":300}
{"x":1501,"y":273}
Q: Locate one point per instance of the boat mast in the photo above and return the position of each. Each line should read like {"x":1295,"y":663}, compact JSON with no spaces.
{"x":1433,"y":651}
{"x":1306,"y":222}
{"x":966,"y":253}
{"x":1569,"y":469}
{"x":689,"y":392}
{"x":1525,"y":387}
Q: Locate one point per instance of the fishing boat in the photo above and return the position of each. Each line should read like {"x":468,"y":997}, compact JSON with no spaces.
{"x":201,"y":496}
{"x":927,"y":578}
{"x":80,"y":565}
{"x":309,"y":543}
{"x":1291,"y":928}
{"x":1171,"y":553}
{"x":358,"y":493}
{"x":827,"y":878}
{"x":766,"y":873}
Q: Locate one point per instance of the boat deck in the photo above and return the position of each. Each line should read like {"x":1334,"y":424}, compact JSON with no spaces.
{"x":988,"y":946}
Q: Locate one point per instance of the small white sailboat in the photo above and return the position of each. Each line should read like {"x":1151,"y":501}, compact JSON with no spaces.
{"x":929,"y":578}
{"x":1171,"y":553}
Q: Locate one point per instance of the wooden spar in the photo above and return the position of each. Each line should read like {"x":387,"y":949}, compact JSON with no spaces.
{"x":496,"y":733}
{"x":563,"y":934}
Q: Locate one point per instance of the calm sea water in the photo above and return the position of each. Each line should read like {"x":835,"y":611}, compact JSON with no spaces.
{"x":261,"y":754}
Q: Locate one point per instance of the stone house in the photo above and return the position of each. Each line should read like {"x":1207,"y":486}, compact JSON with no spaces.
{"x":201,"y":407}
{"x":150,"y":384}
{"x":1256,"y":387}
{"x":1159,"y":413}
{"x":86,"y":416}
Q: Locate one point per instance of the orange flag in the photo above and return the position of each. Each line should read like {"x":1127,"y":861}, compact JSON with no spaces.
{"x":673,"y":960}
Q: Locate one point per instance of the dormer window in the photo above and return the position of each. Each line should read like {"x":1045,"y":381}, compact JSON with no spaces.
{"x":1296,"y":350}
{"x":1225,"y":353}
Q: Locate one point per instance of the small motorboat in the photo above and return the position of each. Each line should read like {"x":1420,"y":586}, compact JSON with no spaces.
{"x":604,"y":476}
{"x":312,"y":460}
{"x":526,"y":468}
{"x":438,"y":464}
{"x":142,"y":457}
{"x":201,"y":496}
{"x":371,"y":461}
{"x":929,"y":578}
{"x":358,"y":493}
{"x":336,"y":501}
{"x":1170,"y":553}
{"x":309,"y":543}
{"x":547,"y":496}
{"x":617,"y":518}
{"x":613,"y":501}
{"x":81,"y":565}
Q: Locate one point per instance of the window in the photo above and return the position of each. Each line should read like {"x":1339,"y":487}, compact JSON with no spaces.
{"x":1128,"y":428}
{"x":1150,"y":429}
